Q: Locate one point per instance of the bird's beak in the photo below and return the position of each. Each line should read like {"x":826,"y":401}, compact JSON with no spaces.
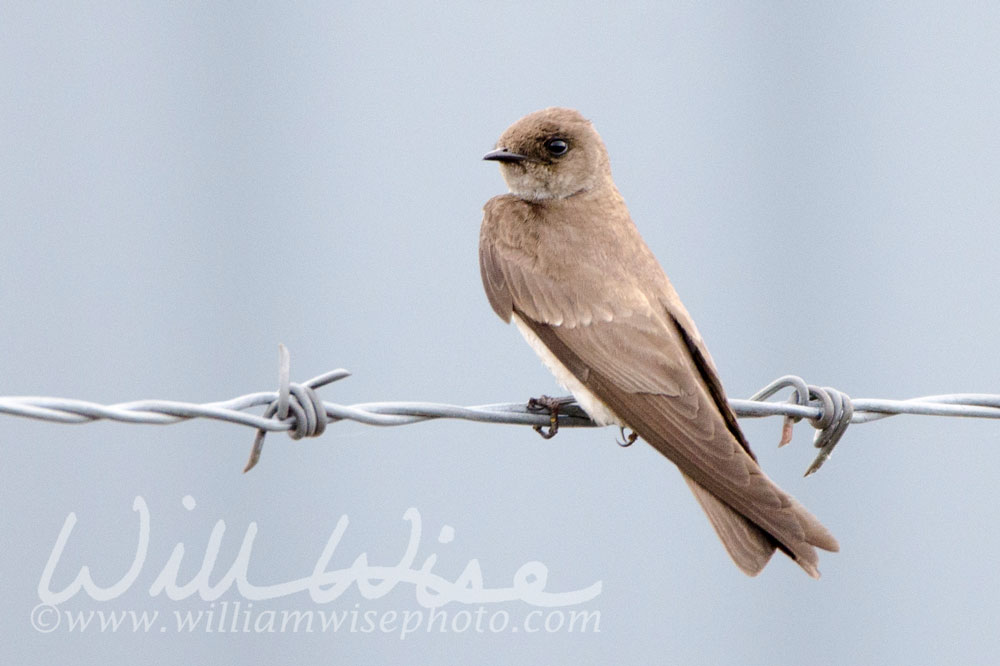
{"x":504,"y":155}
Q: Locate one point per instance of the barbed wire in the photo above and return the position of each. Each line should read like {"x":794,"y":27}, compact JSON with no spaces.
{"x":298,"y":410}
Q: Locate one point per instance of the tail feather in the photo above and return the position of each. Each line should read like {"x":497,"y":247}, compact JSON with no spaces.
{"x":751,"y":547}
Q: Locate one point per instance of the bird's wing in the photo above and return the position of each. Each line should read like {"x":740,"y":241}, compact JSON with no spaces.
{"x":685,"y":425}
{"x":646,"y":367}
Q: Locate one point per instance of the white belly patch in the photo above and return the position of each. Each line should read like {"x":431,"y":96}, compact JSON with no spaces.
{"x":591,"y":404}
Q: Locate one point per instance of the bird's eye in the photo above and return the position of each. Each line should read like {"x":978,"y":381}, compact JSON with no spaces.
{"x":556,"y":147}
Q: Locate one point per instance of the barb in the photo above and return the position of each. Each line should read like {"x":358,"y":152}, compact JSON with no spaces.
{"x":297,"y":410}
{"x":307,"y":407}
{"x":835,"y":414}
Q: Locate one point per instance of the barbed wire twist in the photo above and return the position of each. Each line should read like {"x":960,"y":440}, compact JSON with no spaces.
{"x":297,"y":409}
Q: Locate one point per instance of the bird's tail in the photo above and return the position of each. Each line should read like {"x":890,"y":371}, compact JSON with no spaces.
{"x":751,"y":546}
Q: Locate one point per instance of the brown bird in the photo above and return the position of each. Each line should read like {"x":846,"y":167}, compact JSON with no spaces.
{"x":561,"y":256}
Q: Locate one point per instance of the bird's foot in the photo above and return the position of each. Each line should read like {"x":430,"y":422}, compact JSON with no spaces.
{"x":627,"y":440}
{"x":552,"y":406}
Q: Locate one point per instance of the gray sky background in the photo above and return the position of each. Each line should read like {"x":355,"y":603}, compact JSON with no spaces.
{"x":184,"y":186}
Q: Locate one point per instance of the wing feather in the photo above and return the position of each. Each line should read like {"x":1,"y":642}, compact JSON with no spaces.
{"x":637,"y":350}
{"x":689,"y":429}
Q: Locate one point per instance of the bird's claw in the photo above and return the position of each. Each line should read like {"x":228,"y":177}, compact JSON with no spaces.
{"x":552,"y":406}
{"x":626,"y":440}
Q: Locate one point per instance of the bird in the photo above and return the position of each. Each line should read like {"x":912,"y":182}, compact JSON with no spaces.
{"x":561,"y":257}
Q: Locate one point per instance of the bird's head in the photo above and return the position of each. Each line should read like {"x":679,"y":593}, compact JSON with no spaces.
{"x":551,"y":154}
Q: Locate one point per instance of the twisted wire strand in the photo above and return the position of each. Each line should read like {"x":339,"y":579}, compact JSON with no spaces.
{"x":297,"y":409}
